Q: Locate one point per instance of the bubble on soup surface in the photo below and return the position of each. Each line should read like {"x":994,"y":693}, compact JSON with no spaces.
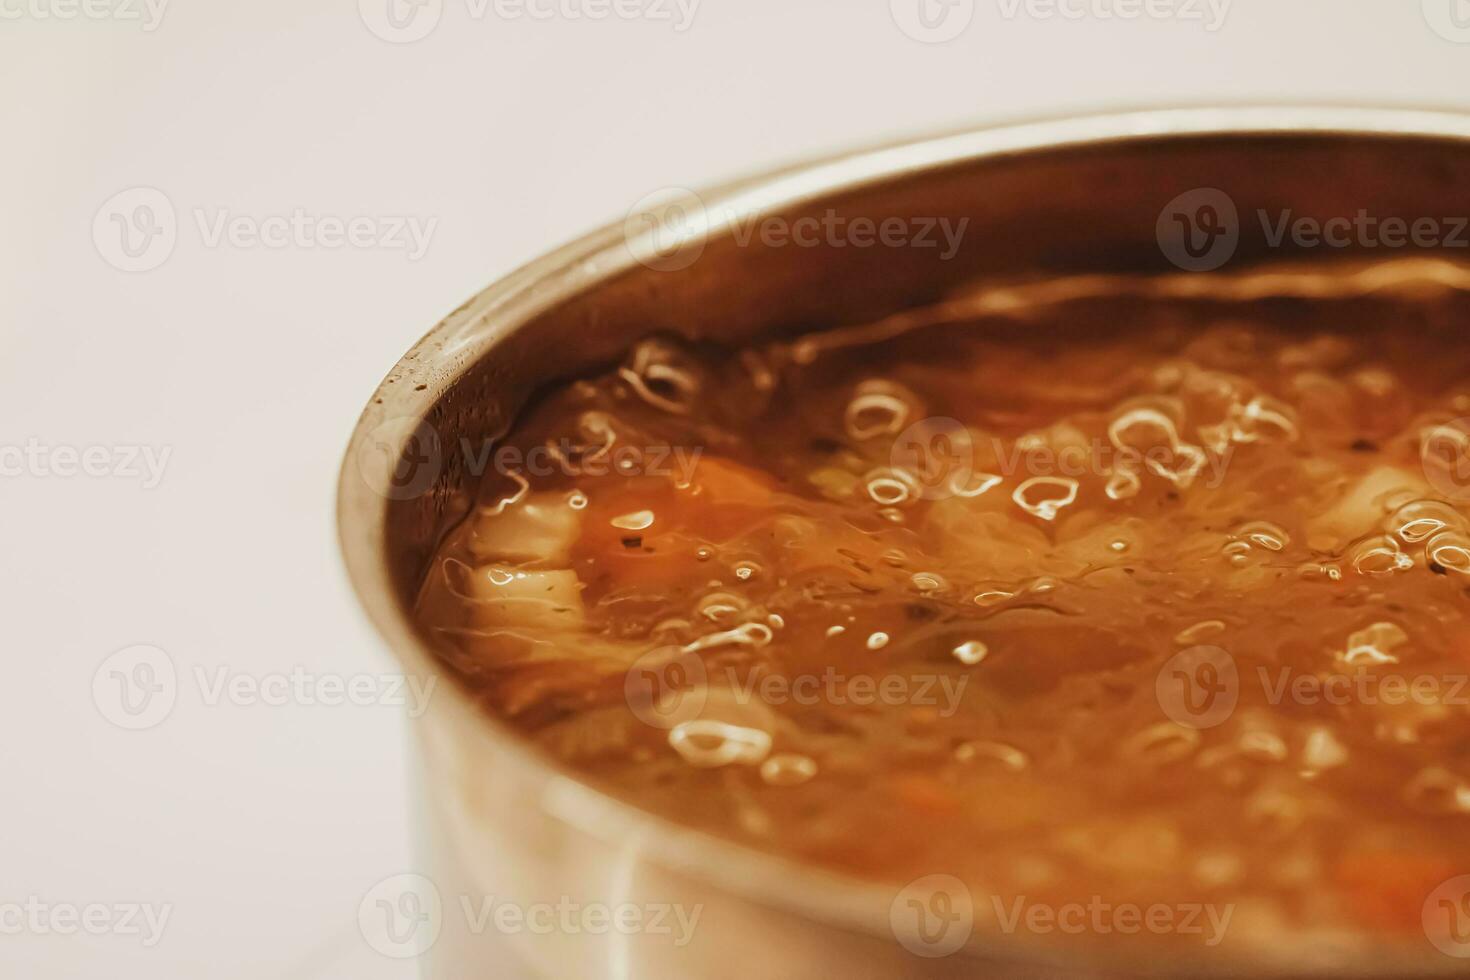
{"x":1450,"y":550}
{"x":1045,"y":496}
{"x":1262,"y":746}
{"x":1191,"y":635}
{"x":1378,"y":555}
{"x":877,"y":641}
{"x":1161,"y":744}
{"x":1006,"y":756}
{"x":1181,"y":464}
{"x":1420,"y":520}
{"x":1438,"y":791}
{"x":640,"y":520}
{"x":722,"y":608}
{"x":1374,"y":645}
{"x":709,"y":744}
{"x":1361,"y":506}
{"x":1263,"y":534}
{"x":890,"y":487}
{"x":1264,"y":419}
{"x":971,"y":652}
{"x":748,"y":635}
{"x":595,"y":438}
{"x":663,"y":376}
{"x":788,"y":769}
{"x":878,"y":408}
{"x":929,"y":582}
{"x":1123,"y":484}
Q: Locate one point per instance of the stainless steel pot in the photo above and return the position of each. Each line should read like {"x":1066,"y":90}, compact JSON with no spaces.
{"x":1049,"y":198}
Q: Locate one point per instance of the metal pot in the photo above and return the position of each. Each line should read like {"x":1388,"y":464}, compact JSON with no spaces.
{"x":1093,"y":194}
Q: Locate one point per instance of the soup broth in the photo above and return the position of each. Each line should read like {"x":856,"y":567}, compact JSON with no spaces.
{"x":1103,"y":590}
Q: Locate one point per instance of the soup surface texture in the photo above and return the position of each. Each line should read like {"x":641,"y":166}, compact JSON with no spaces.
{"x":1146,"y":591}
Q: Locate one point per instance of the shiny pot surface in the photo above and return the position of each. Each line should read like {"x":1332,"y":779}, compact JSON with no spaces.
{"x":502,"y":824}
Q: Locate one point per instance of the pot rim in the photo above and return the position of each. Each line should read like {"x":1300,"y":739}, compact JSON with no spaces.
{"x":480,"y":324}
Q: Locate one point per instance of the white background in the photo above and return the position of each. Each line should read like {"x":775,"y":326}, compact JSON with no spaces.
{"x":262,"y":827}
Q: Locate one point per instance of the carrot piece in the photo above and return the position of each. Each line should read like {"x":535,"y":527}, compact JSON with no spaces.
{"x":1385,"y":890}
{"x":923,"y":794}
{"x":728,"y":482}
